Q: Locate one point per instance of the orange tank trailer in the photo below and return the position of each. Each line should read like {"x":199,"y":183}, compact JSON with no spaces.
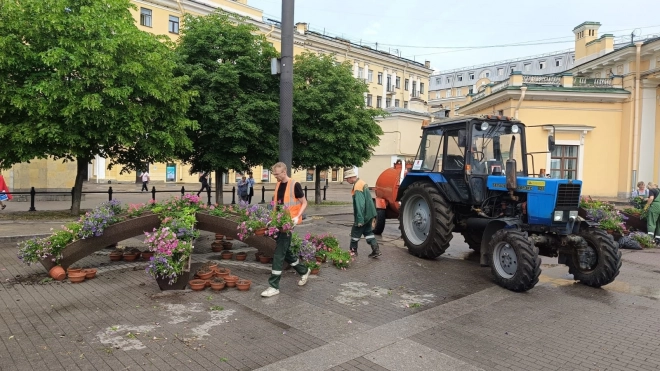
{"x":385,"y":191}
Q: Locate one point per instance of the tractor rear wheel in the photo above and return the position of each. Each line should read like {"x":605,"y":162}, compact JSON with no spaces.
{"x":426,"y":220}
{"x":515,"y":261}
{"x":473,"y":240}
{"x":378,"y":224}
{"x":604,"y":259}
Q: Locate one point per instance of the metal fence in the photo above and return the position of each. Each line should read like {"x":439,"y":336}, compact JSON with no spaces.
{"x":154,"y":191}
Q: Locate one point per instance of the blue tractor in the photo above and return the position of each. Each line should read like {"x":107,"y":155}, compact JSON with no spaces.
{"x":471,"y":176}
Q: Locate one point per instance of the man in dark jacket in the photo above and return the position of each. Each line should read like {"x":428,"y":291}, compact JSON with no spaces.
{"x":205,"y":183}
{"x":364,"y":211}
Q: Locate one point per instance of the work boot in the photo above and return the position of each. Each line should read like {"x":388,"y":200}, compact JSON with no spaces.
{"x":376,"y":253}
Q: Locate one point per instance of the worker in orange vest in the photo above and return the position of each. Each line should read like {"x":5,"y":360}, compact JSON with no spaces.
{"x":290,"y":193}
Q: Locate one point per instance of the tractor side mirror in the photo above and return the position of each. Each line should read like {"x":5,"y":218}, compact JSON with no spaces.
{"x":551,"y":143}
{"x":462,"y":138}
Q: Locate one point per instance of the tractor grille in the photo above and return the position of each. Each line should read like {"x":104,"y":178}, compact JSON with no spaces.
{"x":568,"y":195}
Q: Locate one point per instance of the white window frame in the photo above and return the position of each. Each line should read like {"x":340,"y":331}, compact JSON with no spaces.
{"x":500,"y":72}
{"x":527,"y":67}
{"x":582,"y":131}
{"x":559,"y":62}
{"x":471,"y":75}
{"x":458,"y":92}
{"x":542,"y":65}
{"x":460,"y":77}
{"x":448,"y":93}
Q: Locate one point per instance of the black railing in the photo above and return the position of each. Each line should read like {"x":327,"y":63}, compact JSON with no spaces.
{"x":111,"y":193}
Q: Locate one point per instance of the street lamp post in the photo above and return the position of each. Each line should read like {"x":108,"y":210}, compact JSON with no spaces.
{"x":286,"y":86}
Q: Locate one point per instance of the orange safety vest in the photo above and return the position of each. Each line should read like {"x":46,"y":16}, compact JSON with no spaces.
{"x":290,"y":199}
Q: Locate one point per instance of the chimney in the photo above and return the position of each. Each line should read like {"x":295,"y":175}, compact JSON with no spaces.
{"x":427,"y":64}
{"x":585,"y":33}
{"x":301,"y":27}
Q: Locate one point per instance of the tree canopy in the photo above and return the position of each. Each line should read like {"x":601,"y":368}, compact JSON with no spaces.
{"x":79,"y":79}
{"x":332,"y":127}
{"x":237,"y":109}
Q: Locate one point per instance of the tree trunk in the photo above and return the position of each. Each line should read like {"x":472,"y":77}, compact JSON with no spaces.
{"x":81,"y":167}
{"x":219,"y":187}
{"x":317,"y":186}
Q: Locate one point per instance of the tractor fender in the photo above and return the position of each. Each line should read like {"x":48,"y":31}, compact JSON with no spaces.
{"x":492,"y":227}
{"x":380,"y":202}
{"x":418,"y":177}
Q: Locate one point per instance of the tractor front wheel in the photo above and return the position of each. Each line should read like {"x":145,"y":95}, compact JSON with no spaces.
{"x":378,"y":223}
{"x":602,"y":259}
{"x":473,"y":240}
{"x":426,"y":221}
{"x":515,"y":261}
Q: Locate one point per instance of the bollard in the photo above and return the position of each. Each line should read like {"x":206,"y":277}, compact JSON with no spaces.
{"x":153,"y":193}
{"x":324,"y":189}
{"x":326,"y":182}
{"x":305,"y":191}
{"x":208,"y":191}
{"x":32,"y":194}
{"x":109,"y":193}
{"x":233,"y":195}
{"x":183,"y":191}
{"x":263,"y":195}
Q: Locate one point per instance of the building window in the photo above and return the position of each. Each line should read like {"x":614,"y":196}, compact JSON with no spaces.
{"x":360,"y":72}
{"x":389,"y":81}
{"x":511,"y":69}
{"x":471,"y":75}
{"x":527,"y":67}
{"x":421,"y":88}
{"x":487,"y":74}
{"x":500,"y":72}
{"x":397,"y":82}
{"x":458,"y":92}
{"x":414,"y":88}
{"x":388,"y":102}
{"x":145,"y":17}
{"x":335,"y":174}
{"x":396,"y":103}
{"x":448,"y":93}
{"x":563,"y":162}
{"x":406,"y":83}
{"x":438,"y":80}
{"x":380,"y":78}
{"x":174,"y":24}
{"x":470,"y":91}
{"x":500,"y":113}
{"x":542,"y":65}
{"x":460,"y":77}
{"x":437,"y":94}
{"x":558,"y":62}
{"x":448,"y":79}
{"x":370,"y":76}
{"x":405,"y":104}
{"x":379,"y":101}
{"x":369,"y":100}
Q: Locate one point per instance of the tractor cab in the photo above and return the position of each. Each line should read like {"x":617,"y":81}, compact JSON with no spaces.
{"x":466,"y":151}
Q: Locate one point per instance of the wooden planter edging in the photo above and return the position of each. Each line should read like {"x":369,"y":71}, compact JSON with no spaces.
{"x":111,"y":235}
{"x":215,"y":224}
{"x":634,"y":222}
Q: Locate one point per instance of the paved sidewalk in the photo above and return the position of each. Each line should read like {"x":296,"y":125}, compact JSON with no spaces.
{"x":395,"y":313}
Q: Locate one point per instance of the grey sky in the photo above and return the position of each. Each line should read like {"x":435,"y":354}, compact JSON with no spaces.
{"x":402,"y":25}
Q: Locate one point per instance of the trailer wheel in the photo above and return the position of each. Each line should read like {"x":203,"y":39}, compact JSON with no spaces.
{"x":515,"y":261}
{"x":604,"y":259}
{"x":378,"y":223}
{"x":426,"y":221}
{"x":473,"y":240}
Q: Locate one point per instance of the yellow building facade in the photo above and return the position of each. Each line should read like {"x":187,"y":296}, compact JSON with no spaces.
{"x":604,"y":112}
{"x":392,"y":81}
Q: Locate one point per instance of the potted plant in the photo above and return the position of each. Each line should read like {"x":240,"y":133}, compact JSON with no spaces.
{"x":280,"y":221}
{"x":313,"y":266}
{"x":644,"y":239}
{"x":197,"y":285}
{"x":243,"y":284}
{"x":222,"y":272}
{"x":240,"y":256}
{"x":204,"y":273}
{"x":252,"y":218}
{"x":90,"y":273}
{"x":230,"y":280}
{"x":217,"y":283}
{"x":226,"y":255}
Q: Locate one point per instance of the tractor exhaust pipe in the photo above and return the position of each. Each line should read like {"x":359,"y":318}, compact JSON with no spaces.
{"x":512,"y":171}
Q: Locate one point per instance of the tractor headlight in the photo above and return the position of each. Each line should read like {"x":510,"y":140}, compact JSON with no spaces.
{"x":572,"y":214}
{"x":559,"y":215}
{"x":515,"y":129}
{"x":484,"y":126}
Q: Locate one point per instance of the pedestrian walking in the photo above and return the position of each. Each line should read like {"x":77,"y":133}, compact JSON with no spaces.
{"x":204,"y":179}
{"x":250,"y":181}
{"x":4,"y":193}
{"x":242,"y":187}
{"x":653,"y":217}
{"x":364,"y":211}
{"x":145,"y":180}
{"x":288,"y":192}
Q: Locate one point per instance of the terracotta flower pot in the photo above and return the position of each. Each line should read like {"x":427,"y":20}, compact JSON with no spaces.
{"x":146,"y":255}
{"x":218,"y":284}
{"x":76,"y":277}
{"x":227,"y":254}
{"x":228,"y":238}
{"x":241,"y":256}
{"x":257,"y":255}
{"x":219,"y":236}
{"x":260,"y":232}
{"x":213,"y":267}
{"x":73,"y":270}
{"x":243,"y":285}
{"x":231,"y":280}
{"x":227,"y":245}
{"x":222,"y":272}
{"x":217,"y":246}
{"x":207,"y":283}
{"x":205,"y":275}
{"x":57,"y":273}
{"x":129,"y":257}
{"x":315,"y":271}
{"x":264,"y":259}
{"x":197,"y":285}
{"x":90,"y":273}
{"x":116,"y":256}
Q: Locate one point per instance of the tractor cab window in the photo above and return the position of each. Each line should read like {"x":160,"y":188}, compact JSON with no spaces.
{"x":491,"y":147}
{"x":430,"y":146}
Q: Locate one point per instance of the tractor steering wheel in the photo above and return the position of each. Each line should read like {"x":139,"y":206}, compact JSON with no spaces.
{"x":478,"y":155}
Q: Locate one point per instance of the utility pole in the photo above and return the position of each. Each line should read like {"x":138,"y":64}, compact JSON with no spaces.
{"x":286,"y":86}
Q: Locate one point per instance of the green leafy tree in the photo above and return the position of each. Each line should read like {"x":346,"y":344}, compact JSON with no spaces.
{"x":79,"y":79}
{"x":238,"y":106}
{"x":332,"y":127}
